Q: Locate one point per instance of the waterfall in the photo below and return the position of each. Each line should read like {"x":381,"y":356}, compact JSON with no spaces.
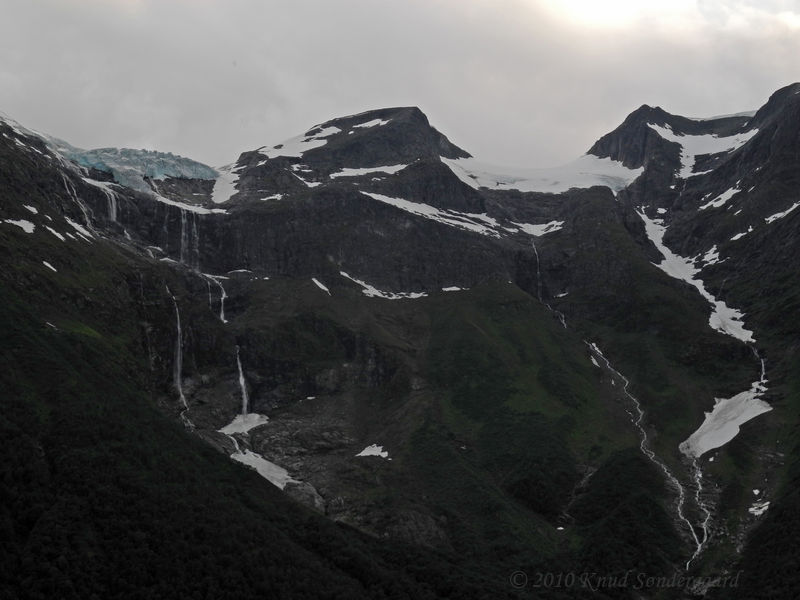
{"x":241,"y":426}
{"x":244,"y":421}
{"x":645,"y":449}
{"x":112,"y":205}
{"x":183,"y":236}
{"x":177,"y":369}
{"x":110,"y":195}
{"x":216,"y":279}
{"x":242,"y":384}
{"x":222,"y":302}
{"x":74,"y":195}
{"x":195,"y":243}
{"x":557,"y":313}
{"x":165,"y":230}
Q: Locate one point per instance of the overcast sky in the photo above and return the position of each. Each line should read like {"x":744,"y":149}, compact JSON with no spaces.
{"x":519,"y":82}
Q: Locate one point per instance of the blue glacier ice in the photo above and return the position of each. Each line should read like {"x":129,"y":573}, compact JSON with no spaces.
{"x":129,"y":166}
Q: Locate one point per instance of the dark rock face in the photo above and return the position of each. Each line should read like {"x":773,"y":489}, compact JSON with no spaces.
{"x":635,"y":144}
{"x":431,"y":182}
{"x":305,"y":493}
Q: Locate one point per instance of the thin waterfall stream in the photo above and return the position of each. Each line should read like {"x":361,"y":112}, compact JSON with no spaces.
{"x":177,"y":368}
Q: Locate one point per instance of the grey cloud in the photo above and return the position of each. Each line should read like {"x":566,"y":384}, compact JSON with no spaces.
{"x":502,"y":79}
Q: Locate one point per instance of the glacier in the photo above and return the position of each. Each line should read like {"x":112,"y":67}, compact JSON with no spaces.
{"x":129,"y":167}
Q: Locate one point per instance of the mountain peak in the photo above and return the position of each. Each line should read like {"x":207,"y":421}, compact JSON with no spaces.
{"x":407,"y":113}
{"x":371,"y":138}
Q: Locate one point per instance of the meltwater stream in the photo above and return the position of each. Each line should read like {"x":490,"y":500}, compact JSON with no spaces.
{"x":177,"y":368}
{"x":242,"y":384}
{"x":217,"y":279}
{"x":74,"y":195}
{"x":638,"y":423}
{"x":557,"y":313}
{"x":644,"y":446}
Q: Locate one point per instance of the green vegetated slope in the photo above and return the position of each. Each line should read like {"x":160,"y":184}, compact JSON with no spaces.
{"x":105,"y":496}
{"x":655,"y":329}
{"x":496,"y":413}
{"x":105,"y":493}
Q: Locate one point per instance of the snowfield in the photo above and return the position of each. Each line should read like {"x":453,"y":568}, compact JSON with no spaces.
{"x":722,"y":424}
{"x":693,"y":146}
{"x":584,"y":172}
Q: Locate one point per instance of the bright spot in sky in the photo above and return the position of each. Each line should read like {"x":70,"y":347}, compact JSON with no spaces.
{"x":617,"y":13}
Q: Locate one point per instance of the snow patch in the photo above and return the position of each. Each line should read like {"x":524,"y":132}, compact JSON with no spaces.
{"x":453,"y":288}
{"x":373,"y":292}
{"x":320,"y":285}
{"x":55,"y":233}
{"x":32,"y":209}
{"x":244,"y":423}
{"x":539,"y":230}
{"x":296,"y":146}
{"x":722,"y":199}
{"x":373,"y":123}
{"x":374,"y":450}
{"x":348,"y":172}
{"x":310,"y":184}
{"x":465,"y":221}
{"x":26,"y":226}
{"x":739,"y":236}
{"x":276,"y":475}
{"x":49,"y":266}
{"x":722,"y":424}
{"x":200,"y":210}
{"x":780,"y":215}
{"x":758,"y":508}
{"x":711,"y":257}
